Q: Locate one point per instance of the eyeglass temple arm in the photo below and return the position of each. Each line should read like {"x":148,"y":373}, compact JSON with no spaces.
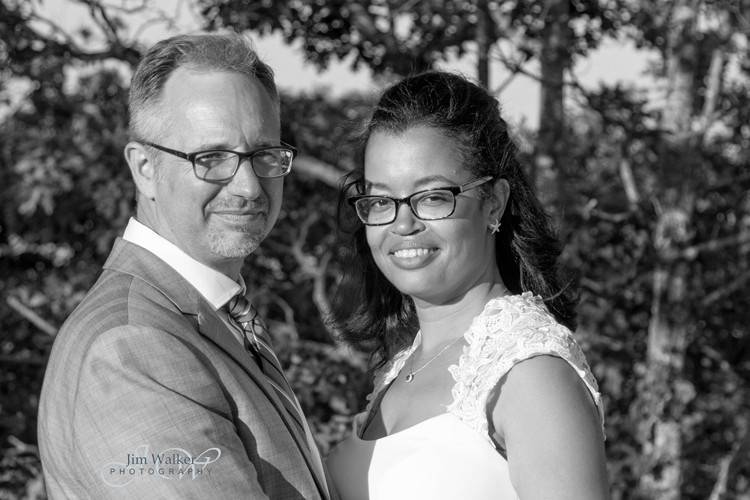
{"x":179,"y":154}
{"x":475,"y":183}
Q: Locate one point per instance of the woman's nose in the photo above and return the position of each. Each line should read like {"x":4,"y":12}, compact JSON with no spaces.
{"x":406,"y":222}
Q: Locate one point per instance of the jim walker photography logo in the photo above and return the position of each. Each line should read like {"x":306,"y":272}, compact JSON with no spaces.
{"x":171,"y":464}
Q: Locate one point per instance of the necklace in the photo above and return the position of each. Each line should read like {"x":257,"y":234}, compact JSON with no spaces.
{"x":410,"y":376}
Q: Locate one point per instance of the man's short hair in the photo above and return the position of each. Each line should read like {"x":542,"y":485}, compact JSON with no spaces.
{"x":207,"y":51}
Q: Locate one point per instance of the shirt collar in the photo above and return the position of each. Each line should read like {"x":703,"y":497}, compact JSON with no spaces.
{"x":216,"y":288}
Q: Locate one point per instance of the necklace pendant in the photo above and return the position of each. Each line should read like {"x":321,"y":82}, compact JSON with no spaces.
{"x":409,"y":377}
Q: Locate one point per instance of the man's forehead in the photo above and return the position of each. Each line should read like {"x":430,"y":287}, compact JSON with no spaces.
{"x":190,"y":77}
{"x":218,"y":109}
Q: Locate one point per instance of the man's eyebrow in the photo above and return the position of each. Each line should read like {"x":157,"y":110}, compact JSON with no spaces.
{"x":209,"y":146}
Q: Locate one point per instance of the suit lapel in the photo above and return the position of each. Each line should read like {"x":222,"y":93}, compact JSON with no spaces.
{"x":211,"y":326}
{"x":132,"y":259}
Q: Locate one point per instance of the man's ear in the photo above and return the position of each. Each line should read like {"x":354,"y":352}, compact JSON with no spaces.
{"x":142,"y":168}
{"x":499,"y":200}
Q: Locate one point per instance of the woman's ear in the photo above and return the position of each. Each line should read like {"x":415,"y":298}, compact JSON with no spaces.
{"x":498,"y":201}
{"x":142,"y":168}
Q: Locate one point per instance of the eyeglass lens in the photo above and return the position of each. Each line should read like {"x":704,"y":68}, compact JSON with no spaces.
{"x":222,"y":165}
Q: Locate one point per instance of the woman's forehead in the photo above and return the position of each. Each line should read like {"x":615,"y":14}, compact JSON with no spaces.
{"x":416,"y":157}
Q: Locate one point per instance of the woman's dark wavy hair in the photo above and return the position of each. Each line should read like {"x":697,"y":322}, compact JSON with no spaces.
{"x":370,"y":312}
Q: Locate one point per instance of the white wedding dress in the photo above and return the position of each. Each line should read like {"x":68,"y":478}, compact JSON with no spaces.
{"x":451,"y":455}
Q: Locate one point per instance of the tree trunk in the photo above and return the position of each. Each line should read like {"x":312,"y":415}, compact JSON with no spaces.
{"x":551,"y":148}
{"x":663,"y":389}
{"x":484,"y":42}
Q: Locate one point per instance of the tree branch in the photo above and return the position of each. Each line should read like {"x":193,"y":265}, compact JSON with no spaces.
{"x":516,"y":67}
{"x":589,"y":210}
{"x":335,"y":353}
{"x":716,"y":244}
{"x":62,"y":43}
{"x":504,"y":84}
{"x":31,"y":316}
{"x":720,"y":487}
{"x":730,"y":182}
{"x":726,"y":290}
{"x":320,"y":297}
{"x":713,"y":88}
{"x":628,"y":182}
{"x":106,"y":22}
{"x":126,"y":10}
{"x":315,"y":268}
{"x":318,"y":170}
{"x":289,"y":321}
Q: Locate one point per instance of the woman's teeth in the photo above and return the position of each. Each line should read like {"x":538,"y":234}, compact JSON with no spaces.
{"x":408,"y":253}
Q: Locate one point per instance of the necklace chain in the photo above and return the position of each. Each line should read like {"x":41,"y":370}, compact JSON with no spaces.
{"x":410,"y":376}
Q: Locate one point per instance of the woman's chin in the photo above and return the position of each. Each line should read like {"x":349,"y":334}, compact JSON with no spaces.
{"x":429,"y":290}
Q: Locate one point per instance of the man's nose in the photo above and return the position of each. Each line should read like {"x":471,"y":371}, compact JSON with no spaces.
{"x":245,"y":183}
{"x":406,"y":222}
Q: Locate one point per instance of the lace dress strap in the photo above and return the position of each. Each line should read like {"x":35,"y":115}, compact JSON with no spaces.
{"x":511,"y":329}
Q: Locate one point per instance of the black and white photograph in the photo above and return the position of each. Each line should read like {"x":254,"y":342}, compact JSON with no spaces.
{"x":377,"y":250}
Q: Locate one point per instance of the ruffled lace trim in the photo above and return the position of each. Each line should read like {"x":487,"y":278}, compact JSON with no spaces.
{"x":509,"y":330}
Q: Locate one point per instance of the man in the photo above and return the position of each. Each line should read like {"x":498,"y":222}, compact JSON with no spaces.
{"x":154,"y":388}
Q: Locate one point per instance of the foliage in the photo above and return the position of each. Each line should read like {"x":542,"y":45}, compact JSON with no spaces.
{"x":66,"y":194}
{"x":404,"y":37}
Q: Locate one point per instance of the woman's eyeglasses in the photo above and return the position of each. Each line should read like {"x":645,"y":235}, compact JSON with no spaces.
{"x":430,"y":204}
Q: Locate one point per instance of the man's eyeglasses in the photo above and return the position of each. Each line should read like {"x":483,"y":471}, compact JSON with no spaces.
{"x":219,"y":165}
{"x":430,"y":204}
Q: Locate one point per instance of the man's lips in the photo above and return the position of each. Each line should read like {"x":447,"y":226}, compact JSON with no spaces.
{"x":240,"y":212}
{"x":239,"y":208}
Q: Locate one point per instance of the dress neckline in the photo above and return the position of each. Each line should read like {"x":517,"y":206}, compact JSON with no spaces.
{"x":404,"y":431}
{"x":398,"y":362}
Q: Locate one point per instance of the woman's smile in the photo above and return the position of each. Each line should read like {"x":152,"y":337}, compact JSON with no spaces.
{"x":413,"y":258}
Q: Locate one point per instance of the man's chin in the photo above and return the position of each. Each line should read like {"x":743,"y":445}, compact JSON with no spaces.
{"x":235,"y":246}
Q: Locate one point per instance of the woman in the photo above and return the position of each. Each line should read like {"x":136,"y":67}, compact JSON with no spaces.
{"x":481,"y":391}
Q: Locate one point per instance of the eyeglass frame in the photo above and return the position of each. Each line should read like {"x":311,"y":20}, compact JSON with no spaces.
{"x":454,"y":190}
{"x":240,"y":157}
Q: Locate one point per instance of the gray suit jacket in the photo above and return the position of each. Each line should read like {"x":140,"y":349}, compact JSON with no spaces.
{"x":147,"y":394}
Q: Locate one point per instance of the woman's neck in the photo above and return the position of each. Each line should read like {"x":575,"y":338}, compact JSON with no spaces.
{"x":441,"y":323}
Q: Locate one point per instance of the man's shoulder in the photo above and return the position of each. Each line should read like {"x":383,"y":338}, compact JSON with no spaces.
{"x":120,"y":299}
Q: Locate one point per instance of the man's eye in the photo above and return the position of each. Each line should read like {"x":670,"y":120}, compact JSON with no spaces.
{"x":213,"y":158}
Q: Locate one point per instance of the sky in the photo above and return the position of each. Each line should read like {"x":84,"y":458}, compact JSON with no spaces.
{"x":613,"y":62}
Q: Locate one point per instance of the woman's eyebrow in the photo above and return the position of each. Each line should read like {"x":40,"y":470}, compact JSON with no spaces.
{"x":420,"y":183}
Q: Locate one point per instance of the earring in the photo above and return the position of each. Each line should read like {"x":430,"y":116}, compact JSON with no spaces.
{"x":495,"y":226}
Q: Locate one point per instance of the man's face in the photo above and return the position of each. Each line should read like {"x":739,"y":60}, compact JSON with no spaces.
{"x":218,"y":224}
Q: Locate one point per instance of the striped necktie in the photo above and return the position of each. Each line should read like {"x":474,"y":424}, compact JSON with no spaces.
{"x":258,"y":342}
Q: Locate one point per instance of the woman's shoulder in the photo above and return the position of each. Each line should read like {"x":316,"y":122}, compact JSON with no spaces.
{"x":511,"y":329}
{"x":516,"y":327}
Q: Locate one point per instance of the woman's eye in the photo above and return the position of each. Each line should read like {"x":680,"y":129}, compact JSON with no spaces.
{"x":379,"y":203}
{"x":435,"y":198}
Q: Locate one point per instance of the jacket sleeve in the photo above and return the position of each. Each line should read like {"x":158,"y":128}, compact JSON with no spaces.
{"x":153,"y":421}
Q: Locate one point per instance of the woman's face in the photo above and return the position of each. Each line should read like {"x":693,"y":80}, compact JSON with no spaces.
{"x":436,"y":261}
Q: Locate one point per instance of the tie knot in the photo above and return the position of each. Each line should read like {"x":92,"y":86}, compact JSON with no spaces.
{"x":240,"y":309}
